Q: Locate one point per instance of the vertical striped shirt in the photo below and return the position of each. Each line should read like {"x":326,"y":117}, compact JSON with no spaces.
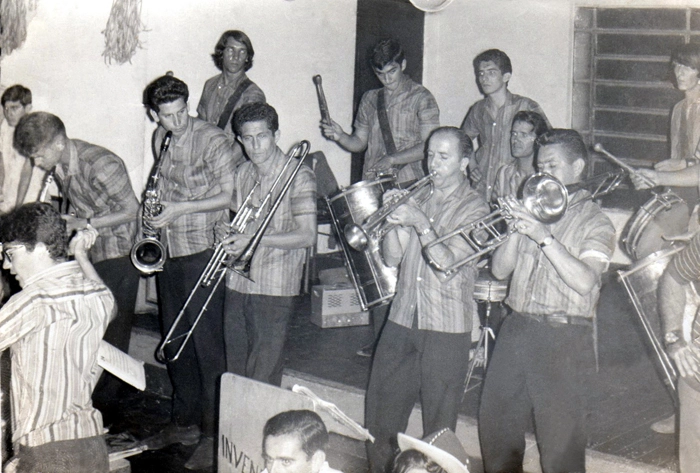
{"x":98,"y":185}
{"x":441,"y":306}
{"x":411,"y":110}
{"x":194,"y":168}
{"x":536,"y":287}
{"x":54,"y":327}
{"x":215,"y":96}
{"x":494,"y":136}
{"x":276,"y":272}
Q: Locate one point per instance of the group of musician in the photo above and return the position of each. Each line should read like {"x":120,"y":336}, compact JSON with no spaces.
{"x":226,"y":159}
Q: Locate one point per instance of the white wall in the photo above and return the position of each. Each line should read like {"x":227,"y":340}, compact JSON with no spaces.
{"x":536,"y":34}
{"x":61,"y":62}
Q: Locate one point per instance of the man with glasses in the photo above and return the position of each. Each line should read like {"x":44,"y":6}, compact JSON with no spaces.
{"x":53,"y":327}
{"x":489,"y":120}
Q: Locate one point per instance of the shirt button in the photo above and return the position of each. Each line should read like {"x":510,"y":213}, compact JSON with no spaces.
{"x":419,"y":278}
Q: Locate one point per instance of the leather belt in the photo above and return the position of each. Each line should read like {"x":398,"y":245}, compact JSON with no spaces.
{"x":561,"y":319}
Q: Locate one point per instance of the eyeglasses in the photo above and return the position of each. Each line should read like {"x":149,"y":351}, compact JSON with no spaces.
{"x":8,"y":251}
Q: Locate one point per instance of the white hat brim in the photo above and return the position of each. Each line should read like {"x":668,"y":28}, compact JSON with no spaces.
{"x":448,"y":462}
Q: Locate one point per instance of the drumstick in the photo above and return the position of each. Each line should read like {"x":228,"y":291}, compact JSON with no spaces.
{"x":323,"y":105}
{"x":599,"y":149}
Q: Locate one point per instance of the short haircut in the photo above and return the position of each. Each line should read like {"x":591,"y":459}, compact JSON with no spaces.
{"x":34,"y":223}
{"x":570,"y":140}
{"x":687,"y":55}
{"x":466,"y":148}
{"x":385,"y":52}
{"x":305,"y":424}
{"x":414,"y":459}
{"x":165,"y":89}
{"x":36,"y":130}
{"x":17,"y":93}
{"x":539,"y":124}
{"x":241,"y":37}
{"x":498,"y":57}
{"x":255,"y":112}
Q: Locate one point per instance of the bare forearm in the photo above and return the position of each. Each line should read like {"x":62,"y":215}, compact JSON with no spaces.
{"x":410,"y":155}
{"x":351,"y":143}
{"x":576,"y":274}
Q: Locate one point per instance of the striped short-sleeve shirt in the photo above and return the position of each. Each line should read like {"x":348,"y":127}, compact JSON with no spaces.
{"x":54,"y":327}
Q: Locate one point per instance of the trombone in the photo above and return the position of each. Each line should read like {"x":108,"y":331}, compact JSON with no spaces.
{"x":374,"y":228}
{"x":215,"y":269}
{"x":544,"y":197}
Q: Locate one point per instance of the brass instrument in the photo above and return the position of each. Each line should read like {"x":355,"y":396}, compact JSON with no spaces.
{"x":48,"y":180}
{"x":544,"y":197}
{"x":374,"y":228}
{"x":215,"y":269}
{"x":148,"y":254}
{"x":322,"y":104}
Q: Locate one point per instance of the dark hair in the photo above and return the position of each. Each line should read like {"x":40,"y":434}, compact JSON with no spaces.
{"x":241,"y":37}
{"x":410,"y":459}
{"x":687,"y":55}
{"x":305,"y":424}
{"x":498,"y":57}
{"x":255,"y":112}
{"x":34,"y":223}
{"x":16,"y":93}
{"x":165,"y":89}
{"x":466,"y":147}
{"x":36,"y":130}
{"x":385,"y":52}
{"x":539,"y":124}
{"x":570,"y":140}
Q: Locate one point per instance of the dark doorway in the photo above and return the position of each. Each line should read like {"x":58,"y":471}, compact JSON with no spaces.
{"x":377,"y":20}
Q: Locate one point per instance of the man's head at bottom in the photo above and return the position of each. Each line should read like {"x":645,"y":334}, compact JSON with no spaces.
{"x":295,"y":442}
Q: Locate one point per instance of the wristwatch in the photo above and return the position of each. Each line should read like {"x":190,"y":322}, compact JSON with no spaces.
{"x":548,"y":240}
{"x":671,"y":337}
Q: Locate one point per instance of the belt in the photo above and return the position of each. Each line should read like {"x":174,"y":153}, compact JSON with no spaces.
{"x":561,"y":319}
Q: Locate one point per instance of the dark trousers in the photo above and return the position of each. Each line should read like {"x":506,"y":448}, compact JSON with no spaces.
{"x":379,"y":315}
{"x":195,"y":374}
{"x":87,"y":455}
{"x":537,"y":371}
{"x":412,"y":364}
{"x":122,"y":278}
{"x":255,"y":331}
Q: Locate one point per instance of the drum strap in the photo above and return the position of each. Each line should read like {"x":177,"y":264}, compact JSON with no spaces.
{"x":384,"y":124}
{"x":226,"y":115}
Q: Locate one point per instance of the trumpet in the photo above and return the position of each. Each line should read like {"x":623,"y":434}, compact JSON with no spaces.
{"x":544,"y":197}
{"x":375,"y":227}
{"x":215,"y":269}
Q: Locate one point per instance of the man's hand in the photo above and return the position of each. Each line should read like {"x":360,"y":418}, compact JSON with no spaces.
{"x":73,"y":223}
{"x":332,"y":130}
{"x":384,"y":164}
{"x":170,"y":212}
{"x":645,"y":178}
{"x":82,"y":241}
{"x":236,"y":243}
{"x":685,"y":356}
{"x":475,"y":175}
{"x":524,"y":223}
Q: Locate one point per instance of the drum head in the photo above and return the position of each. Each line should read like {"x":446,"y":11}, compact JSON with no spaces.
{"x":665,"y":215}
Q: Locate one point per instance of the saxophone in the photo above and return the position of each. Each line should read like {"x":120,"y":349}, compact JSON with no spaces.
{"x":148,"y":254}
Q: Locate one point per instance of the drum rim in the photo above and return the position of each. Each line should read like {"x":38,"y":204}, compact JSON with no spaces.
{"x":643,"y":216}
{"x":649,"y":259}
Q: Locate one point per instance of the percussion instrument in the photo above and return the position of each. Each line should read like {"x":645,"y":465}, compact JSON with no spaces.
{"x":662,"y":216}
{"x":641,"y":281}
{"x":489,"y":289}
{"x":374,"y":281}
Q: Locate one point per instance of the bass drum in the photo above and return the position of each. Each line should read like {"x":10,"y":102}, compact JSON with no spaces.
{"x":641,"y":281}
{"x":664,"y":215}
{"x":374,"y":281}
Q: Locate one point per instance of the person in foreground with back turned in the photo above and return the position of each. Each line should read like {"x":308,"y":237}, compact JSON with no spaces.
{"x":97,"y":193}
{"x":197,"y":185}
{"x":53,"y":327}
{"x":545,"y":346}
{"x":424,"y":349}
{"x":258,"y":310}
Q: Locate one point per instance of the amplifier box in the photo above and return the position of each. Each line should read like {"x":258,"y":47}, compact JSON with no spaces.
{"x":336,"y":306}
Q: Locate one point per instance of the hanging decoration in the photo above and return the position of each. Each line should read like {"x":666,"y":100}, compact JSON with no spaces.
{"x":14,"y":18}
{"x":122,"y":31}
